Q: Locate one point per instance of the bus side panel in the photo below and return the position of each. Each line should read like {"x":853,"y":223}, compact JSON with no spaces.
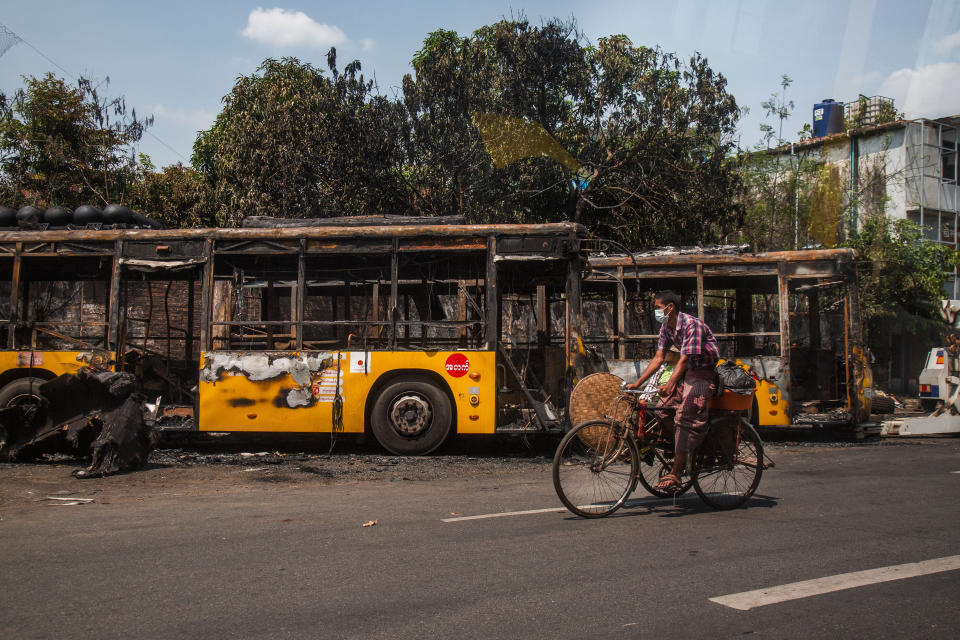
{"x":56,"y":362}
{"x":771,"y":406}
{"x":295,"y":392}
{"x":265,"y":391}
{"x":466,"y":390}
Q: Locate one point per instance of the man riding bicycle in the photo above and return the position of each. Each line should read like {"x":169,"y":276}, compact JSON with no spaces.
{"x":683,"y":409}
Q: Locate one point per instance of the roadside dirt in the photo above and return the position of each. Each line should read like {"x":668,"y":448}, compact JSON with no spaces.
{"x":235,"y":464}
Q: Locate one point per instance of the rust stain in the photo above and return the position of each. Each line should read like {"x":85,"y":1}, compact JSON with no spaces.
{"x":707,"y":259}
{"x":296,"y":233}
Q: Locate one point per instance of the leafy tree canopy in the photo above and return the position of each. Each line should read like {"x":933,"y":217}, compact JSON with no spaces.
{"x":174,"y":195}
{"x":899,"y":273}
{"x":66,"y":145}
{"x":646,"y":133}
{"x":650,"y":132}
{"x":292,"y":141}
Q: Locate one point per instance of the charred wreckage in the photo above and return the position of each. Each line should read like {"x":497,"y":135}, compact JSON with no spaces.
{"x":412,"y":328}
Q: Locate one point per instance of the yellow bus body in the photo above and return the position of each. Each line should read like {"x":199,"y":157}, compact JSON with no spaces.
{"x":234,"y":400}
{"x":55,"y":362}
{"x":771,"y":409}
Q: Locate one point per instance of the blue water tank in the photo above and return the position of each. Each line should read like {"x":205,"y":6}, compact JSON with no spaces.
{"x":827,"y":118}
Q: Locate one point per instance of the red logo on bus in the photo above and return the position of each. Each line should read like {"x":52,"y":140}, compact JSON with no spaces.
{"x":457,"y":365}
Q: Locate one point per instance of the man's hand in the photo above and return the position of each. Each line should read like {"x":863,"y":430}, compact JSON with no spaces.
{"x":666,"y":390}
{"x":633,"y":385}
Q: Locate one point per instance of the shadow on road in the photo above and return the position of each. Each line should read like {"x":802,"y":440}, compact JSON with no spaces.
{"x":686,"y":505}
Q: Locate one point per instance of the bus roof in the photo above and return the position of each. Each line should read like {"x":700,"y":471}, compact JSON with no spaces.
{"x":324,"y":232}
{"x":678,"y":258}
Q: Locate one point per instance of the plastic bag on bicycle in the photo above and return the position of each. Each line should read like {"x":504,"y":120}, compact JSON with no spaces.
{"x":735,"y":388}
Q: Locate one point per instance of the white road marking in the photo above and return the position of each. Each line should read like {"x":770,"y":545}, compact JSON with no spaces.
{"x":955,"y":472}
{"x":505,"y":514}
{"x":807,"y":588}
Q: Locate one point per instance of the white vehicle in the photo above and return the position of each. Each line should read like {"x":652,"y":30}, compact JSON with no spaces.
{"x":933,"y":380}
{"x":939,"y":388}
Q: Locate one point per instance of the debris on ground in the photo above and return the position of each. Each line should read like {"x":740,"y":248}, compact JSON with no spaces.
{"x":371,"y":523}
{"x":99,"y":413}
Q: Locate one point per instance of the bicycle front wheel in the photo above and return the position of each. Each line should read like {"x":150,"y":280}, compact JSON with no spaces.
{"x":594,"y":468}
{"x":728,"y":466}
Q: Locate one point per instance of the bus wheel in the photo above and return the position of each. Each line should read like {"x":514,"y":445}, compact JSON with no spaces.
{"x":411,"y":416}
{"x":23,"y":391}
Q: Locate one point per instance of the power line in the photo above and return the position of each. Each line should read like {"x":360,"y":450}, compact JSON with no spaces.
{"x":9,"y":38}
{"x":151,"y":134}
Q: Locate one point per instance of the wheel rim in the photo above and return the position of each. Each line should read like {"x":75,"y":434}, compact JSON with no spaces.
{"x":410,"y":414}
{"x":24,"y":399}
{"x":725,"y":480}
{"x":595,"y":473}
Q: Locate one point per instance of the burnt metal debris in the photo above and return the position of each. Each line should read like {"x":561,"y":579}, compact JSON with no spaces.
{"x":792,"y":316}
{"x":93,"y":412}
{"x":178,"y":308}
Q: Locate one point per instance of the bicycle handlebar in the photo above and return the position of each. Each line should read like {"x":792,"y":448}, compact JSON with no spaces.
{"x":637,"y":392}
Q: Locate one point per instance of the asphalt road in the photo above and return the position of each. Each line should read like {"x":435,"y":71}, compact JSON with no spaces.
{"x":291,"y":560}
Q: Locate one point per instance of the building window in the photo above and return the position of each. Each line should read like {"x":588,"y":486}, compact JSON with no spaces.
{"x":929,"y":223}
{"x":948,"y":160}
{"x":947,"y":228}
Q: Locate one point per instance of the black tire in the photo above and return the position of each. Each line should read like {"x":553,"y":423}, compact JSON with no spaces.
{"x":411,"y":416}
{"x":21,"y":391}
{"x":882,"y":405}
{"x":595,"y":468}
{"x":653,"y":466}
{"x":728,"y":465}
{"x":929,"y":404}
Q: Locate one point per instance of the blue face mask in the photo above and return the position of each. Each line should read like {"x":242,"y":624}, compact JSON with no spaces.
{"x":660,"y":315}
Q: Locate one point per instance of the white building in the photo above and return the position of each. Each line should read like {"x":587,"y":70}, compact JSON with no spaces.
{"x":906,"y":167}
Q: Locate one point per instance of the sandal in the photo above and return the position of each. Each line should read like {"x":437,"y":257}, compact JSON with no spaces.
{"x":669,"y":483}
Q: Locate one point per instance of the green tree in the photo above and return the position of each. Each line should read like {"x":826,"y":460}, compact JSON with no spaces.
{"x":66,"y":145}
{"x":900,"y":274}
{"x":175,"y":195}
{"x":649,"y":131}
{"x":645,"y":137}
{"x":778,"y":188}
{"x":294,"y":142}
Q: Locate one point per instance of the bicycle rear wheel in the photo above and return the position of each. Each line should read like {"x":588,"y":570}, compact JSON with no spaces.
{"x":728,"y":466}
{"x":594,"y":468}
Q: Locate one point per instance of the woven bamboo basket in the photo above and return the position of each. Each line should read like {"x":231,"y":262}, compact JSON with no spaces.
{"x":596,"y":396}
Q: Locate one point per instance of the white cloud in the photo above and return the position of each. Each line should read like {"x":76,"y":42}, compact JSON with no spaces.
{"x":196,"y":118}
{"x":287,"y":28}
{"x":868,"y":78}
{"x":931,"y":91}
{"x":366,"y":44}
{"x":948,"y":43}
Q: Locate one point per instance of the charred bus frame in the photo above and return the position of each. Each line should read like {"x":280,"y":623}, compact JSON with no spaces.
{"x":811,"y":358}
{"x":176,"y":304}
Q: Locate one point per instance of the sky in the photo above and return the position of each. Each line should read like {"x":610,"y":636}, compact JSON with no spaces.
{"x":176,"y":60}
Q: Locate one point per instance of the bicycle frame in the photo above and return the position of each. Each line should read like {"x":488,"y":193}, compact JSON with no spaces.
{"x":638,"y":421}
{"x":724,"y":470}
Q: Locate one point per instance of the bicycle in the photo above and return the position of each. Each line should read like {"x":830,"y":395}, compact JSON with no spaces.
{"x":599,"y":463}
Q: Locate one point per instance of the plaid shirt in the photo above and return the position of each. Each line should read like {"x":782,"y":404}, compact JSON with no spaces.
{"x":694,"y":339}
